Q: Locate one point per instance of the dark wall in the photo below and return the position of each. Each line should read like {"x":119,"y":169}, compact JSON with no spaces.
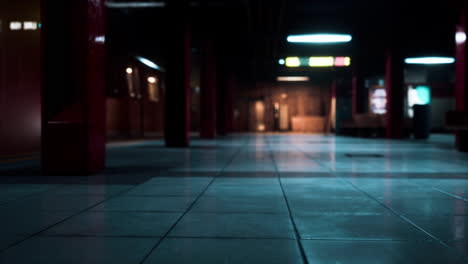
{"x":20,"y":107}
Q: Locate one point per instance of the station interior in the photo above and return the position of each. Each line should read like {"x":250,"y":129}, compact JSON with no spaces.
{"x":250,"y":131}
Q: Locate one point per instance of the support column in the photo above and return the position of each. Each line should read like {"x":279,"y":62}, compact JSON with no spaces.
{"x":73,"y":88}
{"x":461,"y":71}
{"x":394,"y":83}
{"x":208,"y":92}
{"x":177,"y":112}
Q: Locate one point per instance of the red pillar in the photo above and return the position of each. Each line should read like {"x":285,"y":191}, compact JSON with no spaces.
{"x":177,"y":112}
{"x":461,"y":89}
{"x":394,"y":83}
{"x":73,"y":88}
{"x":208,"y":92}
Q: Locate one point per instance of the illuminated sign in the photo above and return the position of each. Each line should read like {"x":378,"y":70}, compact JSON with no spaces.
{"x":378,"y":101}
{"x":321,"y":61}
{"x":328,"y":61}
{"x":293,"y":62}
{"x":421,"y":95}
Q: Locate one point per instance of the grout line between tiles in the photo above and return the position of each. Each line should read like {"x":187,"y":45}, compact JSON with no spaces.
{"x":192,"y":204}
{"x":293,"y":222}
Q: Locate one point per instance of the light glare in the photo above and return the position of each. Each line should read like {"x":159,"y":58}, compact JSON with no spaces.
{"x":320,"y":38}
{"x":460,"y":37}
{"x":151,"y":80}
{"x":281,"y":61}
{"x":430,"y":60}
{"x":129,"y":70}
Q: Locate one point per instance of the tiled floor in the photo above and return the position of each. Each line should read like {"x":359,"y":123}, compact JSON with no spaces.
{"x":245,"y":199}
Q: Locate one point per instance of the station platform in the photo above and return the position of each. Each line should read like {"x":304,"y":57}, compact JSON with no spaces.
{"x":246,"y":198}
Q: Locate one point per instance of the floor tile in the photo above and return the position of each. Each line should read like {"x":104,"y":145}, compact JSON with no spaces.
{"x":325,"y":205}
{"x":7,"y":240}
{"x":448,"y":227}
{"x":382,"y":252}
{"x":78,"y":250}
{"x":357,"y":227}
{"x":226,"y":251}
{"x":55,"y":202}
{"x":158,"y":204}
{"x":117,"y":224}
{"x":238,"y":204}
{"x":429,"y":206}
{"x":234,"y":225}
{"x":29,"y":222}
{"x":89,"y":189}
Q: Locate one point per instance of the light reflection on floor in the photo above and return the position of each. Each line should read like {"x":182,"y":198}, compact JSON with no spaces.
{"x":245,"y":199}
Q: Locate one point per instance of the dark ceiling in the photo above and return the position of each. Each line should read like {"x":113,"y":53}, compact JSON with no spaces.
{"x":253,"y":32}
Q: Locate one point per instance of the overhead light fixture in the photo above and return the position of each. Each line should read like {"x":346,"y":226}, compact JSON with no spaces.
{"x":30,"y":25}
{"x":140,"y":4}
{"x":129,"y":70}
{"x":293,"y":78}
{"x":293,"y":62}
{"x":430,"y":60}
{"x":149,"y":63}
{"x":16,"y":25}
{"x":460,"y":37}
{"x":151,"y":79}
{"x":321,"y":61}
{"x":320,"y":38}
{"x":281,"y":61}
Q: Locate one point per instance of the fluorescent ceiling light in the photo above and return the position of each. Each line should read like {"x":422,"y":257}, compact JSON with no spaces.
{"x":320,"y":38}
{"x":149,"y":63}
{"x":134,"y":4}
{"x":430,"y":60}
{"x":292,"y":79}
